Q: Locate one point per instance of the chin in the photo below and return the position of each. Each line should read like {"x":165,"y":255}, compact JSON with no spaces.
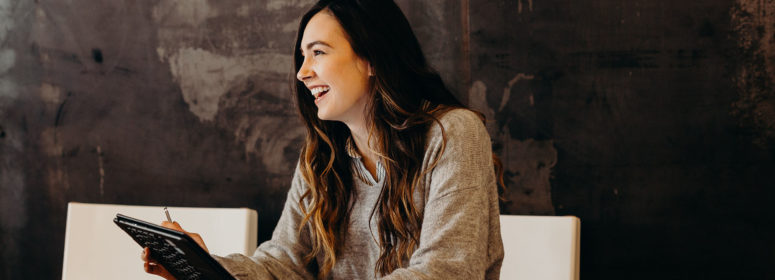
{"x":323,"y":116}
{"x":326,"y":116}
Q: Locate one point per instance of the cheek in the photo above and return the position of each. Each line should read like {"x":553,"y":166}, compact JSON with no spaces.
{"x":339,"y":76}
{"x":357,"y":77}
{"x":346,"y":75}
{"x":331,"y":73}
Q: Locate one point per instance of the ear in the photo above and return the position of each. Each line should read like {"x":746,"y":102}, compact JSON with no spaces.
{"x":371,"y":70}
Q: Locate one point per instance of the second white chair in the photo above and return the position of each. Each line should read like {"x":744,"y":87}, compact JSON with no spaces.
{"x":540,"y":247}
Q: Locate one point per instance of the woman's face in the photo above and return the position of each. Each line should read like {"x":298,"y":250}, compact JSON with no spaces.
{"x":336,"y":76}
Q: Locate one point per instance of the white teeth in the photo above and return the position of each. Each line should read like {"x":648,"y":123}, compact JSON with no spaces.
{"x":318,"y":90}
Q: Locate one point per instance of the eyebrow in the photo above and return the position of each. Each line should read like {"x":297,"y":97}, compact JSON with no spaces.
{"x":312,"y":44}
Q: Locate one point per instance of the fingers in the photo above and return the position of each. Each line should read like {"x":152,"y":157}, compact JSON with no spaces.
{"x":194,"y":235}
{"x":152,"y":267}
{"x":159,"y":270}
{"x":172,"y":225}
{"x":197,"y":238}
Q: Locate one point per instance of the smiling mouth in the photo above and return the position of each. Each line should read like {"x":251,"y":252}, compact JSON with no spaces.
{"x":319,"y":91}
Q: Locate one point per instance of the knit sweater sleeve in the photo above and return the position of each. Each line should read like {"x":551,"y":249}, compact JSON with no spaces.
{"x":282,"y":257}
{"x":460,"y":236}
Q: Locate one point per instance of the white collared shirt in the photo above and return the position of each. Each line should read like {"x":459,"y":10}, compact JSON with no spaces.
{"x":360,"y":169}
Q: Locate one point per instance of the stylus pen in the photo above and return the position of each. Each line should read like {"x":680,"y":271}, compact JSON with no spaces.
{"x":168,"y":214}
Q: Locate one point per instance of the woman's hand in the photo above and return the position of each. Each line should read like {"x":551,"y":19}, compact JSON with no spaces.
{"x":152,"y":267}
{"x":195,"y":236}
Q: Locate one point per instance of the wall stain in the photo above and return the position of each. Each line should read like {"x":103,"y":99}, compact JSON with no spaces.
{"x":753,"y":22}
{"x":96,"y":54}
{"x":189,"y":13}
{"x":49,"y":143}
{"x":204,"y":76}
{"x":528,"y":163}
{"x":234,"y":71}
{"x":264,"y":124}
{"x":204,"y":68}
{"x":507,"y":90}
{"x":7,"y":55}
{"x":50,"y":94}
{"x":7,"y":61}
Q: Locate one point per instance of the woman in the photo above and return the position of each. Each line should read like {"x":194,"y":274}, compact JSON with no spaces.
{"x":396,"y":178}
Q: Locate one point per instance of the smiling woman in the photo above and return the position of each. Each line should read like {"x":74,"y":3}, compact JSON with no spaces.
{"x":396,"y":178}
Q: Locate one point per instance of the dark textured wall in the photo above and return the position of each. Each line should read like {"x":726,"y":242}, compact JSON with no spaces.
{"x":653,"y":121}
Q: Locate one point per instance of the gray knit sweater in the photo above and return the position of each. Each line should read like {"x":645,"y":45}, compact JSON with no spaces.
{"x":460,"y":237}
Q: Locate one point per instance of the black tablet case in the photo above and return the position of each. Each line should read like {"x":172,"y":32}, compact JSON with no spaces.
{"x":187,"y":248}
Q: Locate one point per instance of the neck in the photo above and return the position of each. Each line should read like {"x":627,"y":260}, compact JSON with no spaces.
{"x":361,"y":137}
{"x":360,"y":134}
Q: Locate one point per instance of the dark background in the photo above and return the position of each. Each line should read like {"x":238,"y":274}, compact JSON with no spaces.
{"x":653,"y":121}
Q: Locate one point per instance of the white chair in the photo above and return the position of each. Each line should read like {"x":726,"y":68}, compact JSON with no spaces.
{"x":95,"y":248}
{"x":540,"y":247}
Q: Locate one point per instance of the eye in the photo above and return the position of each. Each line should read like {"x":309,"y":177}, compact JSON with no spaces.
{"x":317,"y":52}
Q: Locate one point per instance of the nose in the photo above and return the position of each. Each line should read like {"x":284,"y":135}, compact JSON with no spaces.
{"x":304,"y":72}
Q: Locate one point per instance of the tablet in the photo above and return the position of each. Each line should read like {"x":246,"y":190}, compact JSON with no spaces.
{"x":174,"y":250}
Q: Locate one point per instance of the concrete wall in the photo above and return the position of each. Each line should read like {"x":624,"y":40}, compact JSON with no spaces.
{"x":653,"y":121}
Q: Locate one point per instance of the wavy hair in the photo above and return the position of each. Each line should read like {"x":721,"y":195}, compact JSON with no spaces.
{"x":406,"y":97}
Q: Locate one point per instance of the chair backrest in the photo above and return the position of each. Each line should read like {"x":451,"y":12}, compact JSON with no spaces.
{"x":95,"y":248}
{"x":540,"y":247}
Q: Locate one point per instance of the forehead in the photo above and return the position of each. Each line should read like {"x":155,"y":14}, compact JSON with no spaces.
{"x":323,"y":27}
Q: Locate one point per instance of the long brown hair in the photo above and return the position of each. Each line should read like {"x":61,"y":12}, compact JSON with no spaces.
{"x":407,"y":96}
